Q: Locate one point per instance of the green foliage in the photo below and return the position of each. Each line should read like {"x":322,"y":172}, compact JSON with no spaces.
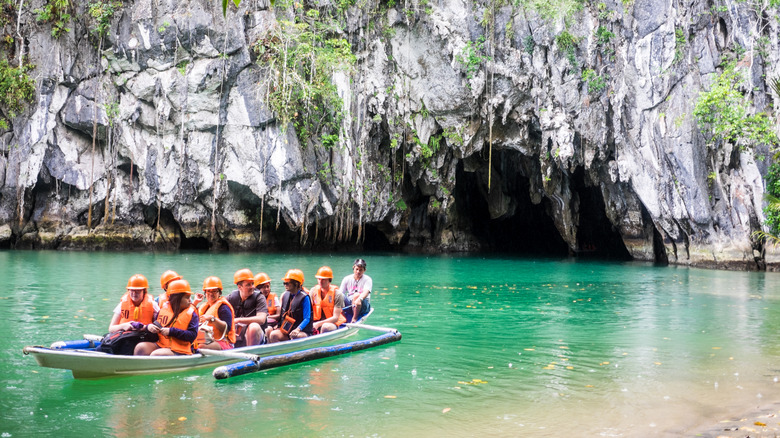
{"x":101,"y":12}
{"x":603,"y":39}
{"x":182,"y":66}
{"x":772,"y":211}
{"x":529,"y":44}
{"x":567,"y":44}
{"x":56,"y":13}
{"x":301,"y":58}
{"x":454,"y":138}
{"x":554,"y":10}
{"x":16,"y":88}
{"x":400,"y":205}
{"x":510,"y":31}
{"x":471,"y":58}
{"x":596,"y":83}
{"x":225,"y":5}
{"x":679,"y":44}
{"x":723,"y":112}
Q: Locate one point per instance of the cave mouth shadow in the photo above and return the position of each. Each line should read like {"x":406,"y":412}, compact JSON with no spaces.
{"x":528,"y":229}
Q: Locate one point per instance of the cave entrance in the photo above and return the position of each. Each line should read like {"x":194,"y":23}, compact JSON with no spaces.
{"x":596,"y":237}
{"x":526,"y":229}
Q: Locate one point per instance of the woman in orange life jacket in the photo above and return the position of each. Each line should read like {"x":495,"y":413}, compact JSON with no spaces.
{"x":217,"y":313}
{"x":296,"y":310}
{"x":263,"y":285}
{"x":327,"y":302}
{"x":165,"y":279}
{"x":136,"y":306}
{"x":176,"y":324}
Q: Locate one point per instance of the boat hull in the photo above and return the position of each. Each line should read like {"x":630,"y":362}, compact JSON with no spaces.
{"x":88,"y":364}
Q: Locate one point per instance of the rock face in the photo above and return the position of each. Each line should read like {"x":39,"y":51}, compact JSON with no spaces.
{"x":467,"y":127}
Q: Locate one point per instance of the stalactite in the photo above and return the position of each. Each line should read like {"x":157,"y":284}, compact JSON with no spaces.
{"x":262,"y":211}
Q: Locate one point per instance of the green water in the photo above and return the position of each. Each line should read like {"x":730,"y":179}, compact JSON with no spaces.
{"x":491,"y":347}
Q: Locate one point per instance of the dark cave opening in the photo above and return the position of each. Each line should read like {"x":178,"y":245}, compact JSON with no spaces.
{"x":375,"y":240}
{"x":530,"y":230}
{"x":596,"y":236}
{"x":194,"y":243}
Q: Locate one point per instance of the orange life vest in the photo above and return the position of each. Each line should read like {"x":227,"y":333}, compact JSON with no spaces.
{"x":210,"y":311}
{"x":323,"y":307}
{"x":181,"y":322}
{"x":129,"y":312}
{"x":270,"y":300}
{"x":162,"y":299}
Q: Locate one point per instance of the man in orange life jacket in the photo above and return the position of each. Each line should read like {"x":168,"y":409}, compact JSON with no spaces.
{"x":327,"y":302}
{"x":136,"y":306}
{"x":176,"y":324}
{"x":165,"y":279}
{"x":251,"y":311}
{"x":217,"y":313}
{"x":296,"y":310}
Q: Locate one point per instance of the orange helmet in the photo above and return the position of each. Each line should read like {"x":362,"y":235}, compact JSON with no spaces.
{"x":137,"y":281}
{"x":179,"y":287}
{"x":294,"y":274}
{"x":262,"y":278}
{"x":243,"y":274}
{"x":212,"y":283}
{"x":167,"y":277}
{"x":325,"y":272}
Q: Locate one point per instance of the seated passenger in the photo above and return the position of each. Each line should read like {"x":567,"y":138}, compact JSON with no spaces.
{"x":249,"y":309}
{"x":136,"y":306}
{"x":357,"y":290}
{"x":217,"y":315}
{"x":296,"y":310}
{"x":263,"y":285}
{"x":165,"y":279}
{"x":327,"y":302}
{"x":176,"y":324}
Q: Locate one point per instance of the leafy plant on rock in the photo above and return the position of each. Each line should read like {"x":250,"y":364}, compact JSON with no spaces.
{"x":723,"y":113}
{"x":56,"y":13}
{"x":301,"y":57}
{"x":16,"y":88}
{"x":471,"y":58}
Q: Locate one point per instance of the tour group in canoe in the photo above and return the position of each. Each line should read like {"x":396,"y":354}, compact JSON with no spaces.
{"x":172,"y":333}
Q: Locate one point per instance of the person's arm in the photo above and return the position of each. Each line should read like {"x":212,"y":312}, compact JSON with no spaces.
{"x":278,"y":306}
{"x":115,"y":326}
{"x":364,"y":290}
{"x":188,"y":335}
{"x":306,"y":303}
{"x":224,"y":318}
{"x":261,"y":312}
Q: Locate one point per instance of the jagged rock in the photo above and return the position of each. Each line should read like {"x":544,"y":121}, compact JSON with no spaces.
{"x":525,"y":154}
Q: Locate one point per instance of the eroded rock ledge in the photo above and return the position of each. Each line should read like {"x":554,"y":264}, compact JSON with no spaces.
{"x":522,"y":154}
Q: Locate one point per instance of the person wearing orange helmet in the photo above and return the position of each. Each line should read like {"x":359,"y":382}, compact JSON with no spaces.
{"x":217,"y":314}
{"x":357,"y":290}
{"x":263,"y":285}
{"x":167,"y":277}
{"x":327,"y":302}
{"x":251,"y":311}
{"x":296,"y":310}
{"x":176,"y":324}
{"x":136,"y":306}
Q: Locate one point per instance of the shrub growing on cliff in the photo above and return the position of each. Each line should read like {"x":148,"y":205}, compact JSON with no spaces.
{"x":723,"y":113}
{"x":301,"y":58}
{"x":772,"y":211}
{"x":56,"y":13}
{"x":16,"y":88}
{"x":471,"y":58}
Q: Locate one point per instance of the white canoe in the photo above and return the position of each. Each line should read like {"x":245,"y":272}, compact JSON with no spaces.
{"x":85,"y":364}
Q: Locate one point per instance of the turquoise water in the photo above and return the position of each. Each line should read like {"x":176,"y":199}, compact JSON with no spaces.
{"x":491,"y":347}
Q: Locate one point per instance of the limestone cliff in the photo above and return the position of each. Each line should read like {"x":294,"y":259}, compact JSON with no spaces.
{"x":466,"y":126}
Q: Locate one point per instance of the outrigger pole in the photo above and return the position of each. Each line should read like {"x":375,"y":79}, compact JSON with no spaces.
{"x":254,"y":363}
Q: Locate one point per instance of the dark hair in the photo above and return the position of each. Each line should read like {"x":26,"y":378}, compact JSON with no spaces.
{"x":360,"y":262}
{"x":175,"y":301}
